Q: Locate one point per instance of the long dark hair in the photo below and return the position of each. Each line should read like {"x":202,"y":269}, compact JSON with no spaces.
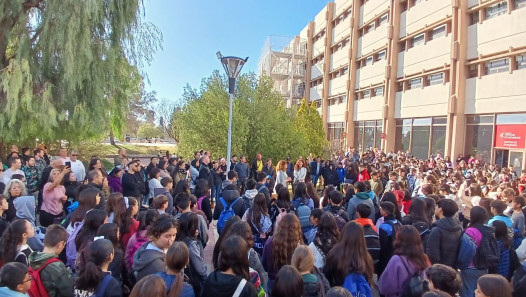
{"x":327,"y":234}
{"x":201,"y":188}
{"x":300,"y":191}
{"x":12,"y":238}
{"x":409,"y":244}
{"x":90,"y":276}
{"x":180,"y":187}
{"x":188,"y":223}
{"x":478,"y":216}
{"x":93,"y":220}
{"x":177,"y":257}
{"x":343,"y":260}
{"x":234,"y":254}
{"x":288,"y":283}
{"x":390,"y":196}
{"x":87,"y":201}
{"x":258,"y":209}
{"x":217,"y":247}
{"x":151,"y":286}
{"x":501,"y":233}
{"x":110,"y":232}
{"x":311,"y":191}
{"x":283,"y":200}
{"x":146,"y":218}
{"x":418,"y":211}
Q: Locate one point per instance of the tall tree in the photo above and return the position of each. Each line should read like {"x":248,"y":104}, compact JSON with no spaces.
{"x":261,"y":122}
{"x":62,"y":64}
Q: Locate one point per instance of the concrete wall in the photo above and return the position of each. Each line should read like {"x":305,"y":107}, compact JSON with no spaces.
{"x":368,"y":109}
{"x":372,"y":9}
{"x":499,"y":92}
{"x":340,"y":58}
{"x":373,"y":40}
{"x":337,"y":113}
{"x":426,"y":12}
{"x":433,"y":54}
{"x":423,"y":102}
{"x":338,"y":85}
{"x":371,"y":74}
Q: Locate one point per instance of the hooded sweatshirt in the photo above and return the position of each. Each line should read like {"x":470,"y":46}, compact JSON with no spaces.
{"x":25,"y":208}
{"x":361,"y":197}
{"x":230,"y":196}
{"x":148,"y":260}
{"x":219,"y":284}
{"x":55,"y":277}
{"x":444,"y":238}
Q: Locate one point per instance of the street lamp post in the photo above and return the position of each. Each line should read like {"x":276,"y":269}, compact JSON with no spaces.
{"x":232,"y":66}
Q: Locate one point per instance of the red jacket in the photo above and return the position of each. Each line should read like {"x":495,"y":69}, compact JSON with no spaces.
{"x":364,"y":175}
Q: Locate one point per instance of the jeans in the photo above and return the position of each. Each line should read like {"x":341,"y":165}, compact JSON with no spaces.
{"x":469,"y":281}
{"x":314,"y":179}
{"x":216,"y":191}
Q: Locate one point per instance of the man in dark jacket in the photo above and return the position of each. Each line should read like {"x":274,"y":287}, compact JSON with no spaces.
{"x":444,"y":239}
{"x":230,"y":193}
{"x":261,"y":179}
{"x":316,"y":169}
{"x":335,"y":206}
{"x":243,"y":173}
{"x":132,"y":183}
{"x":204,"y":170}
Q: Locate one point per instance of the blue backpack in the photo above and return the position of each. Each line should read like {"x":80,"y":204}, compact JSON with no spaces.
{"x":466,"y":252}
{"x":303,"y":212}
{"x":357,"y":285}
{"x":226,"y":214}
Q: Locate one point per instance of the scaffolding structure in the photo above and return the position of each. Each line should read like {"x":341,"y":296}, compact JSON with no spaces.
{"x":285,"y":60}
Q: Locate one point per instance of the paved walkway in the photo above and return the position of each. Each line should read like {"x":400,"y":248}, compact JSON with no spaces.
{"x":209,"y":249}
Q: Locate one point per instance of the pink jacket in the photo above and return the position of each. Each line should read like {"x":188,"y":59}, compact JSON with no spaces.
{"x":135,"y":242}
{"x":52,"y":198}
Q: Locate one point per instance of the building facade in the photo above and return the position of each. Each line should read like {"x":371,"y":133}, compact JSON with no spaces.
{"x":429,"y":76}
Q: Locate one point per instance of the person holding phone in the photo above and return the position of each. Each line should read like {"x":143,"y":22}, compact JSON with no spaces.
{"x":53,"y":197}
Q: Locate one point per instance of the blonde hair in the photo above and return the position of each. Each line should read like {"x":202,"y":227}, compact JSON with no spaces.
{"x":282,"y":165}
{"x":302,"y":258}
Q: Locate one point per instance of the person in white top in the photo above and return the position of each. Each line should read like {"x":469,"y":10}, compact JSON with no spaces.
{"x":63,"y":153}
{"x":14,"y":168}
{"x":300,"y":172}
{"x":76,"y":165}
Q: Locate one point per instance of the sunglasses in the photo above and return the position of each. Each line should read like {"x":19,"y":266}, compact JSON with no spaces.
{"x":74,"y":155}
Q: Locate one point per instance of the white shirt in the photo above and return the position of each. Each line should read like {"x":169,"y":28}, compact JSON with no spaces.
{"x":64,"y":160}
{"x":78,"y":168}
{"x":9,"y":173}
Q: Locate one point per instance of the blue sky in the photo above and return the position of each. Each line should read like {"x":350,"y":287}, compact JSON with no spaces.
{"x":194,"y":30}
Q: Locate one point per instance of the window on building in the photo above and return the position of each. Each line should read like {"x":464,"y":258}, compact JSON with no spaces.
{"x":347,"y":40}
{"x":369,"y":60}
{"x":497,"y":66}
{"x":342,"y":99}
{"x":521,"y":61}
{"x":367,"y":94}
{"x":419,"y":39}
{"x":345,"y":70}
{"x":379,"y":91}
{"x":473,"y":71}
{"x":415,"y":83}
{"x":370,"y":27}
{"x":496,"y":9}
{"x":401,"y":46}
{"x":474,"y":18}
{"x":438,"y":32}
{"x":520,"y":4}
{"x":383,"y":20}
{"x":401,"y":86}
{"x":435,"y":79}
{"x":380,"y":55}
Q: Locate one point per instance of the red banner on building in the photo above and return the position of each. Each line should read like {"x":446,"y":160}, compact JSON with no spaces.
{"x":510,"y":136}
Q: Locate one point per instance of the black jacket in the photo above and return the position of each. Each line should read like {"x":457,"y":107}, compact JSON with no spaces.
{"x":132,"y":185}
{"x":219,"y":284}
{"x":265,"y":191}
{"x":443,"y":241}
{"x":229,"y":196}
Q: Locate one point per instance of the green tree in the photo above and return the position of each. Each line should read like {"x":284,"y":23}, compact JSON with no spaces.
{"x":309,"y":124}
{"x":148,"y":130}
{"x":261,"y":121}
{"x":66,"y":66}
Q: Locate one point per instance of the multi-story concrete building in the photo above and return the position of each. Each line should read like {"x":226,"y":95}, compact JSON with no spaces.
{"x":429,"y":76}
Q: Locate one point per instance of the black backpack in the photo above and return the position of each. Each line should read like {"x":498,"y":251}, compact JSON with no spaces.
{"x":416,"y":285}
{"x":372,"y":240}
{"x":423,"y":230}
{"x":487,"y":254}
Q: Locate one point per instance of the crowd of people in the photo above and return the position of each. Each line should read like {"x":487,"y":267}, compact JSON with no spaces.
{"x":352,"y":225}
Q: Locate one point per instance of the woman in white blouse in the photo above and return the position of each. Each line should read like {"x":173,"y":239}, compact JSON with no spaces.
{"x":299,"y":172}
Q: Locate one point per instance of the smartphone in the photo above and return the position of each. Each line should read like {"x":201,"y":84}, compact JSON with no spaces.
{"x":68,"y":164}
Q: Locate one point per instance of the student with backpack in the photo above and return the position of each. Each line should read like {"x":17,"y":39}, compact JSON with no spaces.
{"x":229,"y":204}
{"x":486,"y":255}
{"x":361,"y":196}
{"x":302,"y":206}
{"x":508,"y":261}
{"x":258,"y":219}
{"x":403,"y":273}
{"x":518,"y":219}
{"x":315,"y":217}
{"x":335,"y":207}
{"x":84,"y":237}
{"x":202,"y":192}
{"x":145,"y":219}
{"x":326,"y":237}
{"x":314,"y":282}
{"x":15,"y":280}
{"x":183,"y":202}
{"x":353,"y":267}
{"x":372,"y":239}
{"x":177,"y":258}
{"x":50,"y":276}
{"x":94,"y":279}
{"x":280,"y":207}
{"x":444,"y":239}
{"x":387,"y":233}
{"x":250,"y":193}
{"x":261,"y":180}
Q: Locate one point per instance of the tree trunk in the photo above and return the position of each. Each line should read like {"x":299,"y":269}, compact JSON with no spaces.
{"x":112,"y":138}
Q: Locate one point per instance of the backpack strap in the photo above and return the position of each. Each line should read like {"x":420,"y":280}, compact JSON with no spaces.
{"x":223,"y":202}
{"x":102,"y":287}
{"x":261,"y":188}
{"x":240,"y":287}
{"x":46,"y":264}
{"x":232,"y":205}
